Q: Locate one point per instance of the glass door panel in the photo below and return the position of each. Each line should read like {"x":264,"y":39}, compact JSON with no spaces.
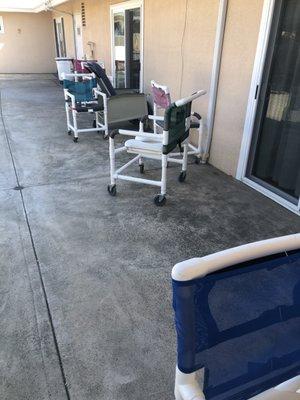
{"x":133,"y":49}
{"x":127,"y":47}
{"x":119,"y":49}
{"x":274,"y":160}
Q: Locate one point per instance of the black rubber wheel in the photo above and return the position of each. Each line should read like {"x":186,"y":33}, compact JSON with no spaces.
{"x":197,"y":160}
{"x":69,"y":132}
{"x":94,"y":123}
{"x":75,"y":139}
{"x":160,"y":200}
{"x":182,"y":176}
{"x":142,"y":168}
{"x":112,"y":190}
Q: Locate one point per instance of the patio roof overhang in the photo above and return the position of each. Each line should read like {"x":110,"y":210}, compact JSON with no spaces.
{"x":33,"y":6}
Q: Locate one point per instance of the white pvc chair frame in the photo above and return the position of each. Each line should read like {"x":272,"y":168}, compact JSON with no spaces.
{"x":186,"y":385}
{"x":163,"y":138}
{"x":194,"y":150}
{"x":72,"y":124}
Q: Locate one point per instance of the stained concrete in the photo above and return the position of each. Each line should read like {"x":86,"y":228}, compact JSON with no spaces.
{"x":105,"y":262}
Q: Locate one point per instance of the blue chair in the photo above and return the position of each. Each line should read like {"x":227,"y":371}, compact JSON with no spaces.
{"x":237,"y":316}
{"x":81,"y":96}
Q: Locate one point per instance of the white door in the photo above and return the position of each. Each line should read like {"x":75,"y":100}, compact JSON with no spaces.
{"x":78,"y":36}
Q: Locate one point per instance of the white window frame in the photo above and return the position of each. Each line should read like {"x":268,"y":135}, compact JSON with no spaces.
{"x":259,"y":64}
{"x":121,"y":7}
{"x":1,"y":24}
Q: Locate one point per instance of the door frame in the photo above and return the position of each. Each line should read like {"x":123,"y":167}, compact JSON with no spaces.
{"x":256,"y":81}
{"x":119,"y":7}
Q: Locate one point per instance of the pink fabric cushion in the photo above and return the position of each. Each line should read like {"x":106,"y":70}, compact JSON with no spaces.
{"x":161,"y":98}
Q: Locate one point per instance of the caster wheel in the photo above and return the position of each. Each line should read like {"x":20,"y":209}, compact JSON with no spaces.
{"x":112,"y":190}
{"x":94,"y":124}
{"x":75,"y":139}
{"x":160,"y":200}
{"x":182,"y":176}
{"x":197,"y":160}
{"x":142,"y":168}
{"x":69,"y":132}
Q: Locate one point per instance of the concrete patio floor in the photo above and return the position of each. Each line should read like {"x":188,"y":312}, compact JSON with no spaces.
{"x":85,"y":295}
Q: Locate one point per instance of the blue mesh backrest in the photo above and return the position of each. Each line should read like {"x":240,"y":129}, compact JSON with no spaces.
{"x":242,"y":325}
{"x":83,"y":91}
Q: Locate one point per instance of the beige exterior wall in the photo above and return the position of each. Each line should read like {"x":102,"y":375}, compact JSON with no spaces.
{"x":27,"y":44}
{"x":181,"y":57}
{"x":240,"y":42}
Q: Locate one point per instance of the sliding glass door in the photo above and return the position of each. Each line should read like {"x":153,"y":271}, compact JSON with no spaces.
{"x":274,"y":159}
{"x":126,"y":45}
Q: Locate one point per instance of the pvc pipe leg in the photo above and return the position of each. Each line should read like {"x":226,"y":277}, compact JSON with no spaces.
{"x":112,"y":161}
{"x":164,"y":163}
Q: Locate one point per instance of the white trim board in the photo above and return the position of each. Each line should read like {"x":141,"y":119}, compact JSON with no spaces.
{"x":259,"y":63}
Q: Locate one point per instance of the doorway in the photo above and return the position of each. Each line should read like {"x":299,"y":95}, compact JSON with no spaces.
{"x":126,"y":44}
{"x":272,"y":162}
{"x":60,"y":41}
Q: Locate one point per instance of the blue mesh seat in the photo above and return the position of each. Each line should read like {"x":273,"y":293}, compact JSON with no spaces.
{"x":241,"y":324}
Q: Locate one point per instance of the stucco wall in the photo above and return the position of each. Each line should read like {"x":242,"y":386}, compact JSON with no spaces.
{"x":240,"y":42}
{"x":27,"y":44}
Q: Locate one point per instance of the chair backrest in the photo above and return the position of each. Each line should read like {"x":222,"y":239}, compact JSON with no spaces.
{"x":83,"y":90}
{"x":79,"y":65}
{"x":103,"y":80}
{"x":177,"y":121}
{"x":241,"y":323}
{"x":161,"y":95}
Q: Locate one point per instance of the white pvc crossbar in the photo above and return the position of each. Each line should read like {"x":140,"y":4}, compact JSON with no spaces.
{"x":133,"y":160}
{"x":140,"y":180}
{"x":199,"y":267}
{"x":186,"y":100}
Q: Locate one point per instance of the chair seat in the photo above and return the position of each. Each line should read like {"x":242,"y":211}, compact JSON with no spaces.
{"x":89,"y":107}
{"x":137,"y":146}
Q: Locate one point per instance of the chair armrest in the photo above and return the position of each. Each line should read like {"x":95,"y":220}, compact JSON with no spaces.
{"x":156,"y":117}
{"x":125,"y":132}
{"x":78,"y":75}
{"x":99,"y":93}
